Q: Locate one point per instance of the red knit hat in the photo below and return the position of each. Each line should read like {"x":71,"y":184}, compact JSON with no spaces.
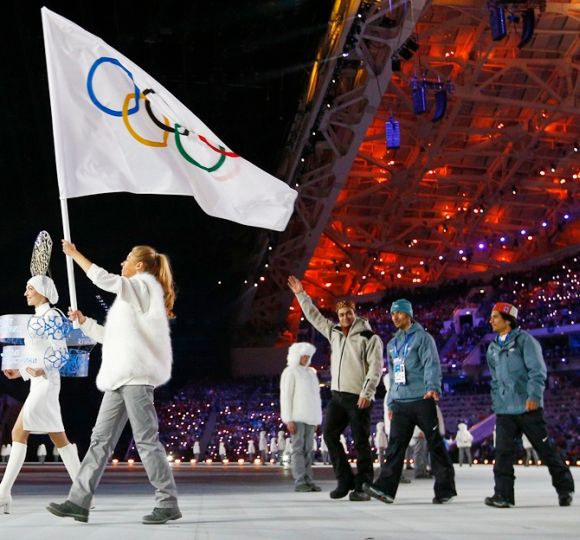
{"x":507,"y":309}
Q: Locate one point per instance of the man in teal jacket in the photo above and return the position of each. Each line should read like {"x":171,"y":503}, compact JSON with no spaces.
{"x":414,"y":387}
{"x":518,"y":378}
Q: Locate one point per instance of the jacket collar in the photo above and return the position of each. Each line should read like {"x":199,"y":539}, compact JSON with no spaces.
{"x":509,"y":339}
{"x":412,"y":329}
{"x":359,"y":325}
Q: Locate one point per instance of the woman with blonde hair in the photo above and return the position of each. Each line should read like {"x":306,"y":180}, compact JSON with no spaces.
{"x":137,"y":357}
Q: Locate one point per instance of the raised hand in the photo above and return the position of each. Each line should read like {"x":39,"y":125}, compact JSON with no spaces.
{"x":69,"y":248}
{"x":295,"y":284}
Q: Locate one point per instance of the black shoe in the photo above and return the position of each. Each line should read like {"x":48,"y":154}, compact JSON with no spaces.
{"x":302,"y":488}
{"x":69,"y":509}
{"x":404,"y":480}
{"x":359,"y":496}
{"x":376,"y":493}
{"x":443,"y":500}
{"x":565,"y":499}
{"x":315,"y":487}
{"x":341,"y":490}
{"x":159,"y":516}
{"x":498,"y":502}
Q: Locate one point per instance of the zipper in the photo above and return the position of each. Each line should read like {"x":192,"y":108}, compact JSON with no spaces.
{"x":341,"y":355}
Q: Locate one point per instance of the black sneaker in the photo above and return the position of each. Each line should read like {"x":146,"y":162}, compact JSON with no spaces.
{"x":498,"y":502}
{"x":376,"y":493}
{"x":443,"y":500}
{"x":159,"y":516}
{"x":341,"y":491}
{"x":359,"y":496}
{"x":315,"y":487}
{"x":302,"y":488}
{"x":69,"y":509}
{"x":565,"y":499}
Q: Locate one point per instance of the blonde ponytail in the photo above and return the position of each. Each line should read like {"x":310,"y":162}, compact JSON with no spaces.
{"x":158,"y":264}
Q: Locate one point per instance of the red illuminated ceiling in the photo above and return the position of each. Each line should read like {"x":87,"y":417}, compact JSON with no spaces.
{"x":490,"y":187}
{"x":403,"y":216}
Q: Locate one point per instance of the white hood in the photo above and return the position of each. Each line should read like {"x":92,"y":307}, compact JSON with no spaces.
{"x":297,"y":350}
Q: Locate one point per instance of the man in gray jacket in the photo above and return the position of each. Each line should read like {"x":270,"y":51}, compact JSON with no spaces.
{"x":356,"y":365}
{"x":518,"y":379}
{"x":414,"y":387}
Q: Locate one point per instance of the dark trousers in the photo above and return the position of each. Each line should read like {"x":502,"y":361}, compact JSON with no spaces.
{"x":509,"y":429}
{"x":407,"y":415}
{"x":342,"y":411}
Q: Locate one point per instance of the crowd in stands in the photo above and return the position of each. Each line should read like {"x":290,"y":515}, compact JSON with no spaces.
{"x":236,"y":412}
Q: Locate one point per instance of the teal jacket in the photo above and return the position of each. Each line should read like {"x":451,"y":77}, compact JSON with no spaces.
{"x":518,"y":372}
{"x":422,"y":366}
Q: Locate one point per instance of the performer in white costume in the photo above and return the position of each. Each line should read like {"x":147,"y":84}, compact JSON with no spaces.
{"x":41,"y":411}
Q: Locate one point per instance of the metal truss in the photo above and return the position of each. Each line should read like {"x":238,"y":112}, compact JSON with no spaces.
{"x":491,"y":185}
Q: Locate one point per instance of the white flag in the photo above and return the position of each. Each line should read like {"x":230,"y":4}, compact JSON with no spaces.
{"x":117,"y":129}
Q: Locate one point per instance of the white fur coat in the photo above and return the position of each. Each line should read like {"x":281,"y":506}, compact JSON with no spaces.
{"x":136,"y":343}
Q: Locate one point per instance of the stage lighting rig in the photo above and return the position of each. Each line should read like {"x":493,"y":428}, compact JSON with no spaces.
{"x":518,"y":11}
{"x":419,"y":95}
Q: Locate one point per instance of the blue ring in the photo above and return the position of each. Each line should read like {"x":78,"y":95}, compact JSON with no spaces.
{"x":94,"y":99}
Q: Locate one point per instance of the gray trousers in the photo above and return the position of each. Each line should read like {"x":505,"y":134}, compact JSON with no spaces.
{"x":301,"y":460}
{"x":133,"y":403}
{"x":464,"y":455}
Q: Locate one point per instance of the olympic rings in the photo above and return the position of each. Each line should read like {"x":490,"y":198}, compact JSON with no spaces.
{"x":135,"y":135}
{"x":94,"y":99}
{"x":187,"y":157}
{"x":165,"y":126}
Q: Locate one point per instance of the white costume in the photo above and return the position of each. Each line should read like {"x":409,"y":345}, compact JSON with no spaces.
{"x":41,"y":410}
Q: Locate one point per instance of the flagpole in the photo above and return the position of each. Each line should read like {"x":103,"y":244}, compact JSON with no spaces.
{"x":70,"y":272}
{"x":59,"y":168}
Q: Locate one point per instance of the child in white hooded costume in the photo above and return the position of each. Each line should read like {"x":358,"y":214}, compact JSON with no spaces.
{"x":40,"y":413}
{"x":301,"y":411}
{"x":464,"y":439}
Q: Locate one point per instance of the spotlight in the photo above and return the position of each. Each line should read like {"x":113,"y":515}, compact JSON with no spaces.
{"x":497,"y":22}
{"x":576,"y":147}
{"x":440,"y":105}
{"x":393,"y":133}
{"x":405,"y":53}
{"x":419,"y":96}
{"x":528,"y":23}
{"x":412,"y":45}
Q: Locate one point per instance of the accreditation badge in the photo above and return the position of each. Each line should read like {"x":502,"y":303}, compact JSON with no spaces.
{"x":399,"y":370}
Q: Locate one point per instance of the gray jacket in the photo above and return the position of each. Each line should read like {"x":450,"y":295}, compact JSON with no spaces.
{"x":356,"y":363}
{"x":422,"y":366}
{"x":518,"y":372}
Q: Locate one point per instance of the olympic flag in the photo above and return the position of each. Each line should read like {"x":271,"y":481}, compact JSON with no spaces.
{"x":117,"y":129}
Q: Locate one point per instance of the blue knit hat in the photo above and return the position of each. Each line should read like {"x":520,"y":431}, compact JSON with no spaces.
{"x":402,"y":305}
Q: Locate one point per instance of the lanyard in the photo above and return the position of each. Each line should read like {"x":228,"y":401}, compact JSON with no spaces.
{"x":404,"y":348}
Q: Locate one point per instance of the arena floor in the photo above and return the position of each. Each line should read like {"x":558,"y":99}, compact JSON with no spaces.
{"x":257,"y":502}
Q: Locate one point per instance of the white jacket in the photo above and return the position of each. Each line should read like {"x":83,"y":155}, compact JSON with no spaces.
{"x":463,"y":437}
{"x":263,"y":442}
{"x":381,"y":440}
{"x":136,"y":340}
{"x":299,"y":389}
